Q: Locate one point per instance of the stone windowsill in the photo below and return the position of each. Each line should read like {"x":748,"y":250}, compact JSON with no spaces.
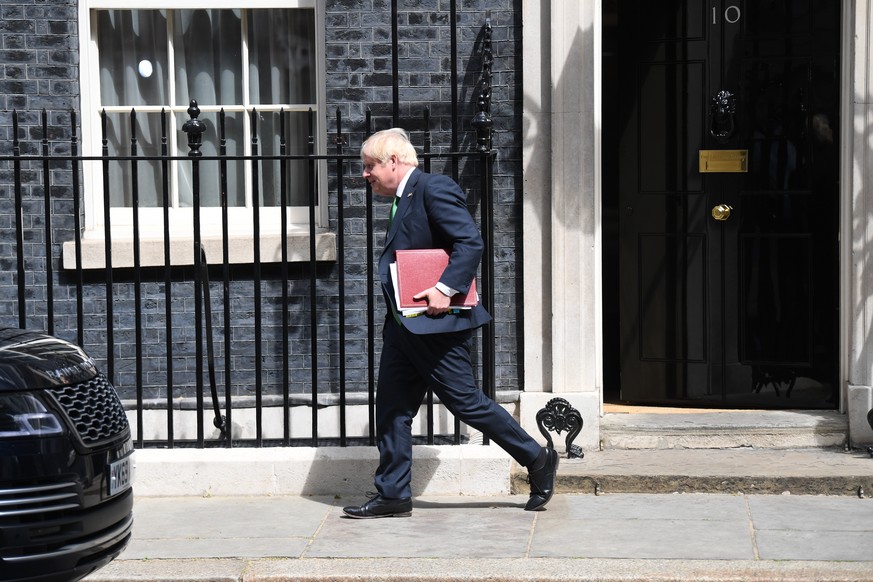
{"x":241,"y":250}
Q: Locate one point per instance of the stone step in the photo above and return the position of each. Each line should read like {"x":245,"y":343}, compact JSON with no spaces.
{"x":808,"y":471}
{"x":669,"y":450}
{"x":678,"y":429}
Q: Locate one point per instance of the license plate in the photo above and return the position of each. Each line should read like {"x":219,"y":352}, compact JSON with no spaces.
{"x":119,"y":475}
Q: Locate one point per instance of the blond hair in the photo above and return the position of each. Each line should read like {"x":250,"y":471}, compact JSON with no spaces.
{"x":390,"y":142}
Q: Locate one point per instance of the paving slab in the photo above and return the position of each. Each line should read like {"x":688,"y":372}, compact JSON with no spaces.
{"x":810,"y":513}
{"x":645,"y":526}
{"x":239,"y":527}
{"x":646,"y":507}
{"x":667,"y":539}
{"x":812,"y":528}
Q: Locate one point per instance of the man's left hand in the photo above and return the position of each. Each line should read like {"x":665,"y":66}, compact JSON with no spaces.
{"x":437,"y":303}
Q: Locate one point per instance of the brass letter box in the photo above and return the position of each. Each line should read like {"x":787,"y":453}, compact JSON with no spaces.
{"x":724,"y":161}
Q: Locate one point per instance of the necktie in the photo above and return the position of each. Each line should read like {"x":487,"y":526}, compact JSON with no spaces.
{"x":393,"y":211}
{"x":390,"y":220}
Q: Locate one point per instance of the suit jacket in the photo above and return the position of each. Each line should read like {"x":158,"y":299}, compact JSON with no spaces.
{"x":432,"y":213}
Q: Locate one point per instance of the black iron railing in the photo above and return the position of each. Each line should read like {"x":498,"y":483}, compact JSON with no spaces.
{"x":72,"y":294}
{"x":50,"y":294}
{"x":284,"y":343}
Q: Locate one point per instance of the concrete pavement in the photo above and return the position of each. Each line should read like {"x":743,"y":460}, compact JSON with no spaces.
{"x":620,"y":536}
{"x":718,"y":498}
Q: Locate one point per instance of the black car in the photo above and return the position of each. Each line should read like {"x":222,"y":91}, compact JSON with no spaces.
{"x":66,"y":462}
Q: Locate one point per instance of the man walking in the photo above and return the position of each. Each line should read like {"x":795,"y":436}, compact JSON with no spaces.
{"x":430,"y":212}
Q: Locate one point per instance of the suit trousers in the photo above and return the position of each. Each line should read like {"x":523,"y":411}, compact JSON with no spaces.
{"x":412,"y":363}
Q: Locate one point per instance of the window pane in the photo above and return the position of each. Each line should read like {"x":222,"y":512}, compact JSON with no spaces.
{"x":208,"y":57}
{"x":281,"y":51}
{"x":133,"y":57}
{"x":211,"y":170}
{"x":297,"y":178}
{"x":149,"y":173}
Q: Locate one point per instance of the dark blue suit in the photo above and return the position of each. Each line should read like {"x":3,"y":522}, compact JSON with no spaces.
{"x":434,"y":352}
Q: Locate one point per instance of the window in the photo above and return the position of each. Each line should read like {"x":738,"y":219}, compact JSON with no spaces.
{"x":154,"y":57}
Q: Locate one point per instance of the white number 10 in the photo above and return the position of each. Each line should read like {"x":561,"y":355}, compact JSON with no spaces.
{"x":731,"y":14}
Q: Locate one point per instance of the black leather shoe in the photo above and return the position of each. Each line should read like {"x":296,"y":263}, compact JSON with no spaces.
{"x":542,"y":482}
{"x":379,"y":506}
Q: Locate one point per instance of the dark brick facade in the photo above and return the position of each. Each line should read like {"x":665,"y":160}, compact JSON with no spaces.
{"x":39,"y":56}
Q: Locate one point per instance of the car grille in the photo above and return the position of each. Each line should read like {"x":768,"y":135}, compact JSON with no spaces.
{"x":22,"y":502}
{"x":94,"y":408}
{"x":47,"y":526}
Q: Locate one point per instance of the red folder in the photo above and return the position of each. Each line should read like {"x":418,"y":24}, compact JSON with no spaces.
{"x":421,"y":269}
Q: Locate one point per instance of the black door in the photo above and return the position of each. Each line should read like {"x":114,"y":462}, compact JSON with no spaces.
{"x":723,"y":178}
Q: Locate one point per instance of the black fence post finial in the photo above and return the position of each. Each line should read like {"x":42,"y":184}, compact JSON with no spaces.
{"x":558,"y":415}
{"x":482,"y":120}
{"x":195,"y":129}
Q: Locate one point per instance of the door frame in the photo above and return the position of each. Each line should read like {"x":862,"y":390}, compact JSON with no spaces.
{"x":655,"y":369}
{"x":549,"y":118}
{"x":847,"y":137}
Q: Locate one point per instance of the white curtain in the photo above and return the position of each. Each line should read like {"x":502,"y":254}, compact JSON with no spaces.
{"x":133,"y":69}
{"x":281,"y":70}
{"x":208,"y":68}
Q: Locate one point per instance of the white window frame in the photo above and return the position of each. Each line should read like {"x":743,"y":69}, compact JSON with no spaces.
{"x":181,"y":222}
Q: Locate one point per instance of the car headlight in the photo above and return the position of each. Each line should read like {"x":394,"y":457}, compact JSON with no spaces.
{"x":24,"y":415}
